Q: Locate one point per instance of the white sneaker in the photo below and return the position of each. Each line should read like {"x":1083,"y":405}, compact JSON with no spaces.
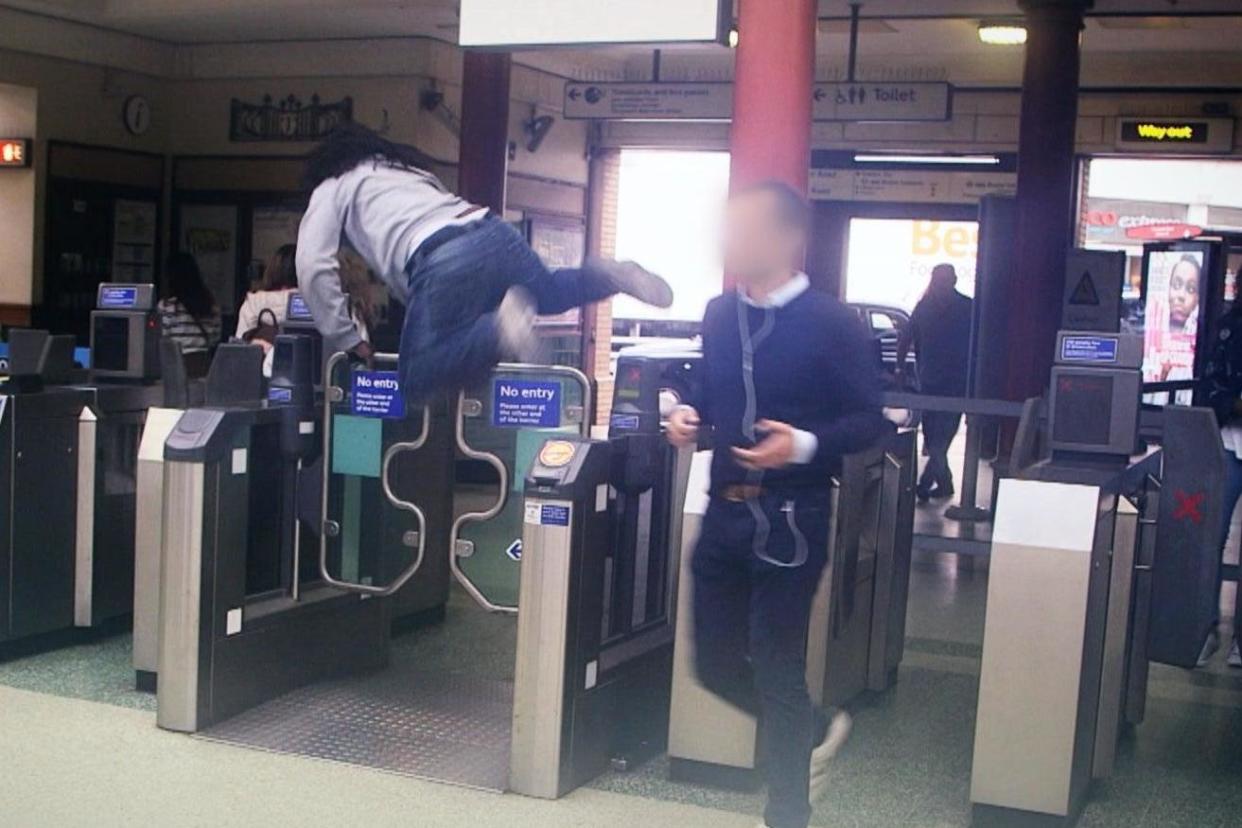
{"x":515,"y":326}
{"x":1235,"y":655}
{"x":838,"y":732}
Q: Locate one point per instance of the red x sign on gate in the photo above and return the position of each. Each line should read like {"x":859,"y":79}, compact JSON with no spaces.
{"x":1189,"y":506}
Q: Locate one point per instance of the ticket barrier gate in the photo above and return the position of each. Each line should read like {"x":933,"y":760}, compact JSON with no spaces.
{"x":598,"y":589}
{"x":1079,"y":605}
{"x":70,"y":487}
{"x":856,"y":635}
{"x":234,"y":378}
{"x":244,"y":615}
{"x":39,"y":450}
{"x":342,"y":552}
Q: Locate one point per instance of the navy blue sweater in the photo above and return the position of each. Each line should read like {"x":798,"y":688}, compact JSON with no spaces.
{"x":815,"y":369}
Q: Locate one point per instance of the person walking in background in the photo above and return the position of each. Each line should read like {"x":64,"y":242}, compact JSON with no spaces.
{"x":789,"y":385}
{"x":939,"y":329}
{"x":188,"y":314}
{"x":471,"y":282}
{"x":264,"y":310}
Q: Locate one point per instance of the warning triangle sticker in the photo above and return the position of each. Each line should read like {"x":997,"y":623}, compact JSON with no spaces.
{"x":1085,"y":293}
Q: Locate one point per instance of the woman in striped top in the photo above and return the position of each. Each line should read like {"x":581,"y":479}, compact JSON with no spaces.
{"x":189,"y":314}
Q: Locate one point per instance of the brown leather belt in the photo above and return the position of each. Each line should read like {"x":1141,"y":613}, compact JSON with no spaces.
{"x":741,"y":492}
{"x":469,"y":211}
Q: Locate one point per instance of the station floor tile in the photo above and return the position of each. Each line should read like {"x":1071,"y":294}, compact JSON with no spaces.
{"x":907,"y":763}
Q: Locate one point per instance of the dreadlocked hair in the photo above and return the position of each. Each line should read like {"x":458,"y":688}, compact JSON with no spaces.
{"x":351,"y":144}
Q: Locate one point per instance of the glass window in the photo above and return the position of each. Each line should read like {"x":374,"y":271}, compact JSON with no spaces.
{"x":669,"y":211}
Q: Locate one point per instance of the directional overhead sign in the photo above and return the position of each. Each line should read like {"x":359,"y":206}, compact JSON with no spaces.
{"x":649,"y":101}
{"x":714,"y":101}
{"x":886,"y":101}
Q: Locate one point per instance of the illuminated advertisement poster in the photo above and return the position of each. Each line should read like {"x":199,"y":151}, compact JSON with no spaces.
{"x":890,"y":261}
{"x":1172,"y":317}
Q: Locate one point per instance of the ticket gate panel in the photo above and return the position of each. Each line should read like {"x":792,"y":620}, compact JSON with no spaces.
{"x":1060,"y":668}
{"x":149,"y":530}
{"x":1186,"y":565}
{"x":1043,"y":574}
{"x":41,"y":433}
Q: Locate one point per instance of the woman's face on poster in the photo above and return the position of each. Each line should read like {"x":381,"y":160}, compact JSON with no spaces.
{"x":1183,"y":293}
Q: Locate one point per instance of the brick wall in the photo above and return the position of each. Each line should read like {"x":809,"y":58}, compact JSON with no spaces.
{"x":608,"y":181}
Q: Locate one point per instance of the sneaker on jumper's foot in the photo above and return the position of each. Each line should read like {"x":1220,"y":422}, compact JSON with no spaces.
{"x":1235,"y":655}
{"x":838,"y":732}
{"x":634,"y":280}
{"x":515,"y":326}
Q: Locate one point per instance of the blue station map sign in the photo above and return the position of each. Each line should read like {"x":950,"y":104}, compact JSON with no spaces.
{"x":518,"y":403}
{"x":376,"y":394}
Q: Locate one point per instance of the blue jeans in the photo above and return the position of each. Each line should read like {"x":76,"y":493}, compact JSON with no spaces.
{"x":449,"y":339}
{"x":1233,"y":491}
{"x":750,"y":632}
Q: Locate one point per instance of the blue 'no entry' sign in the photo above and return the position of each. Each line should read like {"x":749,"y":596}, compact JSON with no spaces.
{"x":376,"y":394}
{"x":526,"y":404}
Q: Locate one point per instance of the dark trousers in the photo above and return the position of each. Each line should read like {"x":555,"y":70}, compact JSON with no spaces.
{"x":1233,"y":491}
{"x":939,"y":429}
{"x":750,"y":631}
{"x":449,"y":338}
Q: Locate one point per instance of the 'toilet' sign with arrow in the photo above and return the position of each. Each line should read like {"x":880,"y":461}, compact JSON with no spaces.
{"x":883,"y":101}
{"x":714,"y":101}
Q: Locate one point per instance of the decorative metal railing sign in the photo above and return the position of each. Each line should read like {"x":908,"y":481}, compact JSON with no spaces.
{"x":288,"y":119}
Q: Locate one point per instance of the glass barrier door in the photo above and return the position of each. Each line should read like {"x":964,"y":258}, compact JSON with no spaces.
{"x":500,"y":426}
{"x":374,"y":540}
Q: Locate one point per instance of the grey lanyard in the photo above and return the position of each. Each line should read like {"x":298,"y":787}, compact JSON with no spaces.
{"x":754,"y":477}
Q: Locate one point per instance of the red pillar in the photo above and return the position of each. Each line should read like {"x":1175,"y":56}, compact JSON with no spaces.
{"x":772,"y":89}
{"x":484,"y":154}
{"x":1045,"y":189}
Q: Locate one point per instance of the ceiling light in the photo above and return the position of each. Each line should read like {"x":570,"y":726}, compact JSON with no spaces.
{"x":1002,"y":34}
{"x":973,"y":160}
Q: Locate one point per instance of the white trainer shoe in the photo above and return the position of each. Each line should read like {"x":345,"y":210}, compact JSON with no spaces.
{"x":821,"y":757}
{"x":515,"y":326}
{"x":1235,"y":655}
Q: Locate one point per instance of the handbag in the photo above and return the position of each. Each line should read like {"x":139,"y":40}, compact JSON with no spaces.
{"x":264,"y":330}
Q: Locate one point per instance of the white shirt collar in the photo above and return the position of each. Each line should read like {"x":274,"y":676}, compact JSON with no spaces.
{"x":783,"y":295}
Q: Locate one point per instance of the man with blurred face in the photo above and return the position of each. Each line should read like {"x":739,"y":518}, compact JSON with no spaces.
{"x":789,"y":385}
